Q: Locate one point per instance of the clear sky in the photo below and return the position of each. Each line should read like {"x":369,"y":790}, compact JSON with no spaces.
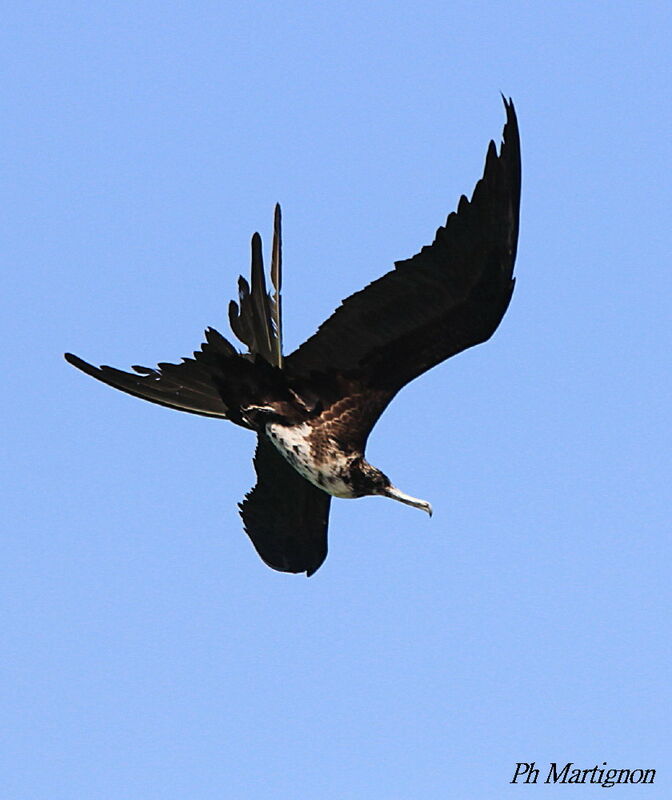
{"x":147,"y":651}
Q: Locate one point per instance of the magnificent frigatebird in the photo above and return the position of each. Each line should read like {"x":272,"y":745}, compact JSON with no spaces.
{"x":313,"y":410}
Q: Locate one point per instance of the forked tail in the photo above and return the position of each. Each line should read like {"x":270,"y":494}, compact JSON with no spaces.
{"x":257,"y":317}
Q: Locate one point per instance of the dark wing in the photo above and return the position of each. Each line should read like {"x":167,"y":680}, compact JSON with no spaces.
{"x":189,"y":386}
{"x":199,"y":384}
{"x":285,"y":516}
{"x":450,"y":296}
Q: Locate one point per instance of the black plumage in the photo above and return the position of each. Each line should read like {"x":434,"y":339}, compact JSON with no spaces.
{"x":314,"y":410}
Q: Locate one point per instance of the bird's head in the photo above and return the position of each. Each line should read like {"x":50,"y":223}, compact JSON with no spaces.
{"x":373,"y":481}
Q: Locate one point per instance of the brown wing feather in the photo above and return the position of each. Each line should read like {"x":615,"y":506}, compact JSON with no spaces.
{"x":285,"y":516}
{"x":190,"y":386}
{"x":448,"y":297}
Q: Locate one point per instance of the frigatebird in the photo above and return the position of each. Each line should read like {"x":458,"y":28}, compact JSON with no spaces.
{"x":313,"y":410}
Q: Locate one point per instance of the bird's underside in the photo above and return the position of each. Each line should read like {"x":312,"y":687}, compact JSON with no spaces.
{"x":314,"y":409}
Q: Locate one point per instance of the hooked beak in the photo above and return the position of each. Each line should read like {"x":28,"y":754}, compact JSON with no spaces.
{"x":402,"y":497}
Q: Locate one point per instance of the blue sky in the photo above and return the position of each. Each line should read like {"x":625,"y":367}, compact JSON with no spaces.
{"x":148,"y":653}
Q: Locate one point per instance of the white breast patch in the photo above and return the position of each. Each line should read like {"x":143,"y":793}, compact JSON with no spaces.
{"x":293,"y":443}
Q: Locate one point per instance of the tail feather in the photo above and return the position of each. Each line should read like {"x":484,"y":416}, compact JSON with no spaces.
{"x":256,"y":317}
{"x":276,"y":279}
{"x":218,"y":381}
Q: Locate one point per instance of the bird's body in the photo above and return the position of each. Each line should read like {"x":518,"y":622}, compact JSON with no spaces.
{"x":321,"y":462}
{"x":314,"y":409}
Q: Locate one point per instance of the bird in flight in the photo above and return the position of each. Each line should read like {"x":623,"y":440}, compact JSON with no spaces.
{"x":313,"y":410}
